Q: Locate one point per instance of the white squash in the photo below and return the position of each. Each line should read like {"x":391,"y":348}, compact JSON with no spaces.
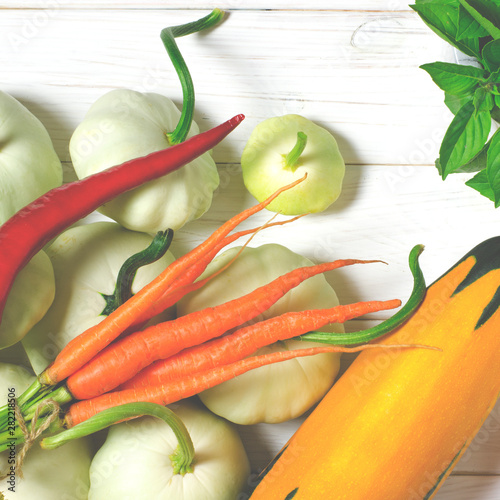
{"x":134,"y":462}
{"x":266,"y":166}
{"x":29,"y":167}
{"x":282,"y":391}
{"x":62,"y":473}
{"x":124,"y":124}
{"x":86,"y":261}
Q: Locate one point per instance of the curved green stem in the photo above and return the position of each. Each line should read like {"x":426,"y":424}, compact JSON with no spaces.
{"x":126,"y":275}
{"x":291,"y":160}
{"x":182,"y":458}
{"x":416,"y":297}
{"x":168,"y":36}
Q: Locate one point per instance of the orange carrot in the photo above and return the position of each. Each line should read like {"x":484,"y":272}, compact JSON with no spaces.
{"x":84,"y":347}
{"x":165,"y":394}
{"x":186,"y":283}
{"x":243,"y":343}
{"x":123,"y":359}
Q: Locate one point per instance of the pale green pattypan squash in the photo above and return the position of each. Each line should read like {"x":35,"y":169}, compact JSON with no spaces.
{"x":29,"y":167}
{"x":281,"y":150}
{"x":134,"y":461}
{"x":86,"y":261}
{"x":124,"y":124}
{"x":281,"y":391}
{"x":47,"y":474}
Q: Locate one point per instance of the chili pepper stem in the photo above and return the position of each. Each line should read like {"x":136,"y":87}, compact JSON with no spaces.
{"x":182,"y":459}
{"x":168,"y":36}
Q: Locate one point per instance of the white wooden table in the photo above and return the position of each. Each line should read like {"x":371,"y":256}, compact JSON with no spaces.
{"x":349,"y":65}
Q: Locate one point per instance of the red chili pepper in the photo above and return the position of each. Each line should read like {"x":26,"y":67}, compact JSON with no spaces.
{"x":30,"y":229}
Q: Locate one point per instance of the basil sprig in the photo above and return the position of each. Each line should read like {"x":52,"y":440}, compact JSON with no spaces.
{"x":472,"y":92}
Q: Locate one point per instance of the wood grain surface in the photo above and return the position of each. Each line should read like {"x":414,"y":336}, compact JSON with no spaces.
{"x":352,"y":66}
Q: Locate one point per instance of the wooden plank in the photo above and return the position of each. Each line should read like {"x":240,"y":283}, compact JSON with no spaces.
{"x":374,"y":217}
{"x":470,"y":487}
{"x":355,"y":73}
{"x":326,"y":5}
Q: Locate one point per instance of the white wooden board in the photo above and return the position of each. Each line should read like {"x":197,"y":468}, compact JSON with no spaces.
{"x":351,"y":66}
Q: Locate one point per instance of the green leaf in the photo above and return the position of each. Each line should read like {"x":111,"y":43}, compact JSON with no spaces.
{"x":477,"y":163}
{"x":465,"y":137}
{"x":493,"y":167}
{"x":486,"y":13}
{"x":442,"y":18}
{"x":495,"y":112}
{"x":483,"y":100}
{"x":454,"y":103}
{"x":480,"y":183}
{"x":468,"y":27}
{"x":455,"y":79}
{"x":490,"y":56}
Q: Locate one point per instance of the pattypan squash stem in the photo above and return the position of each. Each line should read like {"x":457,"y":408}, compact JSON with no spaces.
{"x":416,"y":297}
{"x":126,"y":275}
{"x":291,"y":160}
{"x":168,"y":36}
{"x":182,"y":458}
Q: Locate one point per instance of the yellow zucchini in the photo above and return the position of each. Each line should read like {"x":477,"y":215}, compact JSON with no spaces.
{"x":397,"y":422}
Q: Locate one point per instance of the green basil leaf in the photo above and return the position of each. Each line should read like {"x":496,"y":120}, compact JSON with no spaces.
{"x":465,"y":137}
{"x":486,"y":13}
{"x":493,"y":167}
{"x":483,"y":100}
{"x":454,"y":103}
{"x":479,"y":162}
{"x":468,"y":27}
{"x":480,"y":183}
{"x":455,"y":79}
{"x":443,"y":20}
{"x":490,"y":56}
{"x":438,"y":166}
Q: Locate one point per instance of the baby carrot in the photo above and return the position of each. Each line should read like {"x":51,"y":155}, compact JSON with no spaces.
{"x":187,"y":283}
{"x":126,"y":357}
{"x":189,"y":386}
{"x":244,"y":342}
{"x":83,"y":348}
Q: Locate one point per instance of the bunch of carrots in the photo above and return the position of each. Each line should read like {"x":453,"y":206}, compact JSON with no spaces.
{"x":120,"y":361}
